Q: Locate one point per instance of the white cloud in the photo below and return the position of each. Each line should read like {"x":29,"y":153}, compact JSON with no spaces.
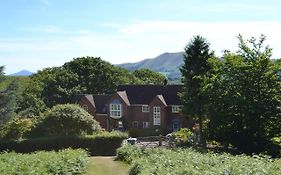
{"x":130,"y":42}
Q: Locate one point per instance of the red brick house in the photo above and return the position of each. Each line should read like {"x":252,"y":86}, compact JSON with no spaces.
{"x":137,"y":106}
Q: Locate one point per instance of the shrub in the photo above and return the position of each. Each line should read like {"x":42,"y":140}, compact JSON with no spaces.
{"x":144,"y":132}
{"x":16,"y":128}
{"x":104,"y":143}
{"x":183,"y":137}
{"x":66,"y":120}
{"x":63,"y":162}
{"x":187,"y":161}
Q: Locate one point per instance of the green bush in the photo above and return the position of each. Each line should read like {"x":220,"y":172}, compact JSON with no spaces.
{"x":183,"y":137}
{"x":71,"y":162}
{"x":104,"y":143}
{"x":65,"y":120}
{"x":16,"y":128}
{"x":144,"y":132}
{"x":187,"y":161}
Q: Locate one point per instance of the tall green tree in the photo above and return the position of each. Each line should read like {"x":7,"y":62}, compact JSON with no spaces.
{"x":7,"y":99}
{"x":194,"y":69}
{"x":244,"y":93}
{"x":148,"y":76}
{"x":58,"y":85}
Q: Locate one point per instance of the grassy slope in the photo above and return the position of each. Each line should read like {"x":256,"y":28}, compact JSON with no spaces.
{"x":106,"y":166}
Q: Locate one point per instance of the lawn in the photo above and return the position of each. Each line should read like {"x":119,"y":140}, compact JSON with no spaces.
{"x":105,"y":165}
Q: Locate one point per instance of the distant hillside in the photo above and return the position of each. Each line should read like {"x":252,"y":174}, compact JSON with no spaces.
{"x":22,"y":73}
{"x":166,"y":63}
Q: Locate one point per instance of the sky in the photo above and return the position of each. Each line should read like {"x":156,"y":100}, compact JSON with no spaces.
{"x":35,"y":34}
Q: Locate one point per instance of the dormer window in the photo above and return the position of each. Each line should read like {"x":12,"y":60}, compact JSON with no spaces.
{"x":115,"y":111}
{"x":145,"y":108}
{"x":175,"y":108}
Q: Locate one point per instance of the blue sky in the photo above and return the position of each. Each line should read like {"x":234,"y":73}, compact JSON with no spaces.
{"x":35,"y":34}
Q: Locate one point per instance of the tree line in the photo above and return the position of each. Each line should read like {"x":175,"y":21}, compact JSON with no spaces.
{"x":236,"y":98}
{"x":58,"y":85}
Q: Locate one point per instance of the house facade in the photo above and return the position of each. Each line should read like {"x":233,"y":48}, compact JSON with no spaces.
{"x":137,"y":106}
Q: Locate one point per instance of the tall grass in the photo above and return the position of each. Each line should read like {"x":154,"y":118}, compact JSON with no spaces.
{"x":187,"y":161}
{"x":68,"y":162}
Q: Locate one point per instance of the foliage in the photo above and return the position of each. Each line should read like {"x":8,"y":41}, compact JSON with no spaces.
{"x":16,"y":128}
{"x":72,"y":162}
{"x":244,"y":97}
{"x":84,"y":75}
{"x":195,"y":67}
{"x":144,"y":132}
{"x":8,"y":97}
{"x":188,"y":161}
{"x":103,"y":143}
{"x":66,"y":120}
{"x":148,"y":76}
{"x":183,"y":137}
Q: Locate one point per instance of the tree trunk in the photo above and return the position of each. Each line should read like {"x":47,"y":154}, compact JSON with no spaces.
{"x":201,"y":134}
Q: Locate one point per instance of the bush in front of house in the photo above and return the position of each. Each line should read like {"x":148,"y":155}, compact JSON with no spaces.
{"x":71,"y":162}
{"x":65,"y":120}
{"x":145,"y":132}
{"x":103,"y":143}
{"x":16,"y":128}
{"x":188,"y":161}
{"x":183,"y":137}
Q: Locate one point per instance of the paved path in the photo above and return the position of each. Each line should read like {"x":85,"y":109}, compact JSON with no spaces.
{"x":106,"y":165}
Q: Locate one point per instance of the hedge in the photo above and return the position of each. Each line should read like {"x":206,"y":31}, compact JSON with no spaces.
{"x":104,"y":144}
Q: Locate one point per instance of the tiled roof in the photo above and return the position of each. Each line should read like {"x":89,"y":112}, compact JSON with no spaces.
{"x":100,"y":102}
{"x":144,"y":94}
{"x":124,"y":96}
{"x":161,"y":98}
{"x":89,"y":97}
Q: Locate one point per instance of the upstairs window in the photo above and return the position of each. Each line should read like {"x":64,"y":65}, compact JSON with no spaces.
{"x":156,"y":115}
{"x":115,"y":110}
{"x":175,"y":109}
{"x":145,"y":108}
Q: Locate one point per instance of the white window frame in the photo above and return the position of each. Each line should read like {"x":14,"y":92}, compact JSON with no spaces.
{"x":145,"y":124}
{"x":175,"y":109}
{"x":115,"y":110}
{"x":145,"y":108}
{"x":135,"y":122}
{"x":156,"y":115}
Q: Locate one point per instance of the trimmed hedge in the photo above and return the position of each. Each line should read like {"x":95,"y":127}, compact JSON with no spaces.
{"x":104,"y":144}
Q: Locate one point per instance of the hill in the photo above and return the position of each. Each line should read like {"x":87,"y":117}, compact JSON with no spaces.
{"x":22,"y":73}
{"x":166,"y":63}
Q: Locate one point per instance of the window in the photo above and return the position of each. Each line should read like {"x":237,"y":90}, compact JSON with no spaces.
{"x":156,"y":115}
{"x":115,"y":110}
{"x":85,"y":107}
{"x":145,"y":124}
{"x":145,"y":108}
{"x":175,"y":109}
{"x":135,"y":124}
